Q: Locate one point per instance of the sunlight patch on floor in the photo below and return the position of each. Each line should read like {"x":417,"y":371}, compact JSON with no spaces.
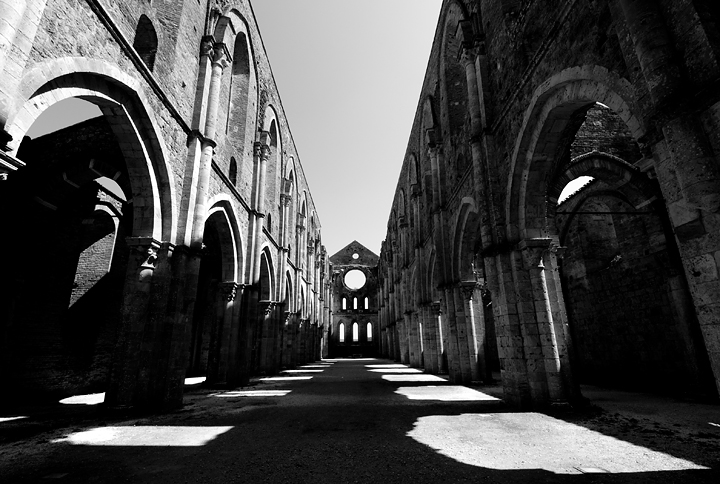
{"x":395,"y":370}
{"x":302,"y":371}
{"x":251,"y":393}
{"x":145,"y":436}
{"x":314,"y":366}
{"x":10,"y":419}
{"x":89,"y":399}
{"x":195,"y":380}
{"x":513,"y":441}
{"x":412,"y":378}
{"x":452,"y":393}
{"x":285,"y":378}
{"x":389,"y":365}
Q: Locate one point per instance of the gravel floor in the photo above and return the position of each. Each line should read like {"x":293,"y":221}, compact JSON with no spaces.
{"x":358,"y":420}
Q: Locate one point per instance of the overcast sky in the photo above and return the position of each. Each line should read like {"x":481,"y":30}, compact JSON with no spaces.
{"x":349,"y":75}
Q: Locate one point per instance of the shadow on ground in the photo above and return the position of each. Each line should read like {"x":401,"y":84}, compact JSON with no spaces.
{"x":347,"y":424}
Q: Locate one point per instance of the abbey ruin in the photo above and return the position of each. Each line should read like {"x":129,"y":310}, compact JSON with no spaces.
{"x":207,"y":260}
{"x":484,"y":269}
{"x":184,"y":217}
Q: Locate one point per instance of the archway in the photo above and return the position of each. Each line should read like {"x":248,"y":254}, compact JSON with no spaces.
{"x":85,"y":188}
{"x":577,"y":127}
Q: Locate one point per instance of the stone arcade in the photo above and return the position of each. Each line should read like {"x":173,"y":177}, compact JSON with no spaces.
{"x":482,"y":269}
{"x":183,"y":218}
{"x":174,"y":235}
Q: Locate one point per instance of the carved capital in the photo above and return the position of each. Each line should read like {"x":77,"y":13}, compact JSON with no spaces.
{"x":285,"y":199}
{"x":468,"y":288}
{"x":267,"y":307}
{"x":221,"y":55}
{"x":206,"y":46}
{"x":467,"y":55}
{"x":535,"y":250}
{"x":146,"y":249}
{"x":261,"y":150}
{"x":436,"y":308}
{"x":229,"y":290}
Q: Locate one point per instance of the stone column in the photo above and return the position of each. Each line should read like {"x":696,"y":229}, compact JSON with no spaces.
{"x":430,"y":350}
{"x":459,"y":337}
{"x":219,"y":62}
{"x":266,"y":339}
{"x":539,"y":339}
{"x":238,"y":372}
{"x":474,"y":318}
{"x":129,"y":374}
{"x":440,"y":332}
{"x":220,"y":343}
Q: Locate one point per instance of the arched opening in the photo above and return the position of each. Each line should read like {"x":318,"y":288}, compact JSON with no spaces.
{"x":369,"y":332}
{"x":355,"y":303}
{"x":367,"y":303}
{"x":355,"y":333}
{"x":344,"y":304}
{"x":341,"y":333}
{"x":146,"y":41}
{"x":619,"y":283}
{"x":211,"y":334}
{"x":75,"y":204}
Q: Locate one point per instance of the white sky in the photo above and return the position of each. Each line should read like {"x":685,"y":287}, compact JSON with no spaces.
{"x":349,"y":75}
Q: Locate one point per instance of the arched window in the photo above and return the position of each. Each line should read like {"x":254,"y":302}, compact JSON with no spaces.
{"x":367,"y":303}
{"x":356,"y":333}
{"x":146,"y":42}
{"x":354,"y":303}
{"x":369,"y":331}
{"x":341,"y":333}
{"x":233,"y":171}
{"x":344,"y":303}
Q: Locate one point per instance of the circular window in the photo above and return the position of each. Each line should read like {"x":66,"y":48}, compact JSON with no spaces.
{"x":355,"y":279}
{"x":355,"y":256}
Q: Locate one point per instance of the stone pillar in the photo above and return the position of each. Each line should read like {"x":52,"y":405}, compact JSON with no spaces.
{"x":219,"y":62}
{"x":685,"y":163}
{"x":266,"y":339}
{"x":653,"y":47}
{"x":458,"y":337}
{"x":538,"y":331}
{"x":474,"y":318}
{"x":430,"y":350}
{"x":440,"y":336}
{"x":149,"y":348}
{"x":220,"y":342}
{"x":238,"y":372}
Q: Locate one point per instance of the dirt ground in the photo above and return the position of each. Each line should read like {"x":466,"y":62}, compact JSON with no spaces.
{"x":362,"y":421}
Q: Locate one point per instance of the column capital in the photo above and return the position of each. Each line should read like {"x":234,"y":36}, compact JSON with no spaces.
{"x":467,"y":55}
{"x":221,"y":56}
{"x":228,"y":290}
{"x":267,"y":306}
{"x":207,"y":44}
{"x":468,"y":288}
{"x":261,"y":150}
{"x":285,"y":199}
{"x":435,"y":307}
{"x":146,"y":248}
{"x":535,"y":250}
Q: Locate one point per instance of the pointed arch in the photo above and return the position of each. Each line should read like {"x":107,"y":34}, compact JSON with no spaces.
{"x":120,"y":97}
{"x":554,"y":102}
